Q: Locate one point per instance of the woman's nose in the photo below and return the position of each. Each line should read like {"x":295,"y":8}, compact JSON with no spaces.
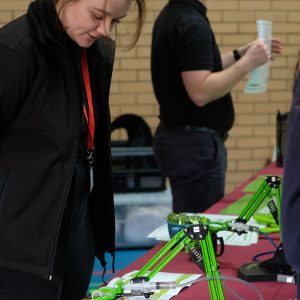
{"x":104,"y":27}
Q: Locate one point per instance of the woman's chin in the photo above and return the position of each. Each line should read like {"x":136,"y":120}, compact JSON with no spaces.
{"x":85,"y":43}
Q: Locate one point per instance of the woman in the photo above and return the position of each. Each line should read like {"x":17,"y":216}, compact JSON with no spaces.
{"x":290,"y":215}
{"x":56,"y":203}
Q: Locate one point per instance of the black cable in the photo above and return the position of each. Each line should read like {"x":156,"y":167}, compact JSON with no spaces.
{"x":262,"y":254}
{"x":255,"y":258}
{"x":267,"y":236}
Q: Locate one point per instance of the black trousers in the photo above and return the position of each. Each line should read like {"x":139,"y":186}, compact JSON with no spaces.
{"x":195,"y":161}
{"x":78,"y":255}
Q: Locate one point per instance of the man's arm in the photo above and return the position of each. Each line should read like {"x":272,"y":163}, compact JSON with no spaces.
{"x":228,"y":57}
{"x":204,"y":87}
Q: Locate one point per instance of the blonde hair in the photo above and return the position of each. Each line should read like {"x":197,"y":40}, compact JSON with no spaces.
{"x":141,"y":7}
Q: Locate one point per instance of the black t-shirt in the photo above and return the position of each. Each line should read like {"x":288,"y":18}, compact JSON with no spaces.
{"x":183,"y":41}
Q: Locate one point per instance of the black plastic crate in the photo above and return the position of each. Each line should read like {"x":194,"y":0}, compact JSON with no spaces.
{"x":135,"y":170}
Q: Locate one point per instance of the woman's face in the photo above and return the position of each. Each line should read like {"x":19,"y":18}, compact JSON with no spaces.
{"x":87,"y":20}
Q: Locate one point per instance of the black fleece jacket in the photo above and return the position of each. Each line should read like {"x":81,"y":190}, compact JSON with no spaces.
{"x":39,"y":120}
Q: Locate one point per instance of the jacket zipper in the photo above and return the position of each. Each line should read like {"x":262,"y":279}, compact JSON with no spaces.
{"x":71,"y":170}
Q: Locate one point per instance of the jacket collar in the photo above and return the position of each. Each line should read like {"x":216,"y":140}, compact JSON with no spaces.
{"x":195,"y":3}
{"x":48,"y":28}
{"x":49,"y":31}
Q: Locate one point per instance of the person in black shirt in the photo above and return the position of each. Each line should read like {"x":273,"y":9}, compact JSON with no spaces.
{"x":56,"y":199}
{"x":192,"y":83}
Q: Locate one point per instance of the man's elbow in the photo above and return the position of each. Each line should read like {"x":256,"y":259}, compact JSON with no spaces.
{"x":199,"y":100}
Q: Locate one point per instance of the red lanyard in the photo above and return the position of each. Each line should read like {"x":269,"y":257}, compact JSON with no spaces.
{"x":90,"y":118}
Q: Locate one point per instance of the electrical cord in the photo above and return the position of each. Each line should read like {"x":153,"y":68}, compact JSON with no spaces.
{"x":255,"y":257}
{"x":267,"y":236}
{"x":255,"y":290}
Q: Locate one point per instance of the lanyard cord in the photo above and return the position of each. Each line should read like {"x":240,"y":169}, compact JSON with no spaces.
{"x":90,"y":118}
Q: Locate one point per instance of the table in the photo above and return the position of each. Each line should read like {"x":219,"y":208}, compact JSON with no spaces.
{"x":270,"y":169}
{"x":229,"y":262}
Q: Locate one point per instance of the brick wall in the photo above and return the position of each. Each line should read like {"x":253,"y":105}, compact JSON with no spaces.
{"x":252,"y":140}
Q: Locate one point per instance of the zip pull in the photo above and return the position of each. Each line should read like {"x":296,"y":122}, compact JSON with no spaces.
{"x":90,"y":158}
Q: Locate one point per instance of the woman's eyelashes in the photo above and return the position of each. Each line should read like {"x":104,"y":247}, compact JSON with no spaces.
{"x":101,"y":17}
{"x":97,"y":17}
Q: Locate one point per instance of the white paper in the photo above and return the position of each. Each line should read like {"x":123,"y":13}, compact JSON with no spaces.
{"x":160,"y":277}
{"x":259,"y":77}
{"x":230,"y":238}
